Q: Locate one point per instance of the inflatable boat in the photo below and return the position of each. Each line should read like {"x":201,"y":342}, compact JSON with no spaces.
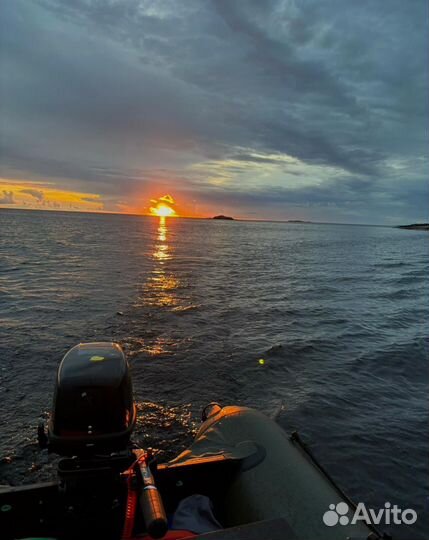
{"x":243,"y":477}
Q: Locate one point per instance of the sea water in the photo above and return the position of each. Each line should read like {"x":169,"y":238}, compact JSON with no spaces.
{"x":337,"y":313}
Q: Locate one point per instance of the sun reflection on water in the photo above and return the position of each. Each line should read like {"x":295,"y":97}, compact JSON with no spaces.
{"x":163,"y":295}
{"x":161,"y":285}
{"x":162,"y":230}
{"x":161,"y":252}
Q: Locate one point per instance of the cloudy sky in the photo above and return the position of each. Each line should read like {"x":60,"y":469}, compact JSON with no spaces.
{"x":277,"y":109}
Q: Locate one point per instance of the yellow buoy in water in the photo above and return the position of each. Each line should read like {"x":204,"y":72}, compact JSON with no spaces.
{"x":261,"y":361}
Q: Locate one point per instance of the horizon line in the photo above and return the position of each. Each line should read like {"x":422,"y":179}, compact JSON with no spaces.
{"x":254,"y":220}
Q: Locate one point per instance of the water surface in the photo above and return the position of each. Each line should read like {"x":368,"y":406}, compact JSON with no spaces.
{"x":339,"y":313}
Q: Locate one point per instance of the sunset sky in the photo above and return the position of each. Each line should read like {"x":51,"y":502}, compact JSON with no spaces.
{"x":279,"y":109}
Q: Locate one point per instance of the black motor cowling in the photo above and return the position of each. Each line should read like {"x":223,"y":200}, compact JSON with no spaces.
{"x":93,"y":409}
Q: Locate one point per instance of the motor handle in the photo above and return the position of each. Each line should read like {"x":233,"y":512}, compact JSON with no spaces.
{"x":151,"y":503}
{"x":153,"y":512}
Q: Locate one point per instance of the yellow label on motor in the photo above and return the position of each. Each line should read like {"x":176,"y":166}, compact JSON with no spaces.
{"x":97,"y":358}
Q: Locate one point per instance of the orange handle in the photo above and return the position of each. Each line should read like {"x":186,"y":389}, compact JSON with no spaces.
{"x":153,"y":512}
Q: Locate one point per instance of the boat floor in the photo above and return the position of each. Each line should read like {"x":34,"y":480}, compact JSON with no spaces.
{"x":273,"y":529}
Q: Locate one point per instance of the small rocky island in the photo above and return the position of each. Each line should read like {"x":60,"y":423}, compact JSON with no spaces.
{"x":415,"y":226}
{"x":297,"y":221}
{"x":224,"y":217}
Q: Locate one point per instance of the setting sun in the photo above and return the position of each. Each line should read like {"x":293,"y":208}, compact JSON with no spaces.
{"x":163,"y":210}
{"x":163,"y":207}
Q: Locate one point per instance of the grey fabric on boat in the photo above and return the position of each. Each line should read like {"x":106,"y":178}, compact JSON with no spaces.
{"x":195,"y":513}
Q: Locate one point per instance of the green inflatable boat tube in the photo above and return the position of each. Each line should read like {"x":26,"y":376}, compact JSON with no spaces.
{"x":278,"y":477}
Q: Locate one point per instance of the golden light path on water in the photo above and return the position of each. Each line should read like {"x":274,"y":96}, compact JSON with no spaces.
{"x":162,"y":283}
{"x":161,"y":287}
{"x":163,"y":294}
{"x":160,"y":294}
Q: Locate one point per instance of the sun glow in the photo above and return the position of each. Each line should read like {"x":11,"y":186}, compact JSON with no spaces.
{"x":163,"y":207}
{"x":163,"y":210}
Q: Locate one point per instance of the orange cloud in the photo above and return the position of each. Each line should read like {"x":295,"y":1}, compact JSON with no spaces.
{"x":39,"y":196}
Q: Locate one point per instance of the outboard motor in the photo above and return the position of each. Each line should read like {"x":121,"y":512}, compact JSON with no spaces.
{"x":93,"y":409}
{"x":92,"y":419}
{"x":100,"y":477}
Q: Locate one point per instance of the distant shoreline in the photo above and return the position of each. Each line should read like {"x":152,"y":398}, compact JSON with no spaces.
{"x":415,"y":227}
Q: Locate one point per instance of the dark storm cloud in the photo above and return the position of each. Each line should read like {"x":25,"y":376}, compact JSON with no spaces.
{"x":361,"y":200}
{"x":105,"y":96}
{"x":278,"y":60}
{"x":333,"y":192}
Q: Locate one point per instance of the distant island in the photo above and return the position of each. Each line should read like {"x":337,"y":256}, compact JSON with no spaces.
{"x":415,"y":226}
{"x":224,"y":217}
{"x":297,"y":221}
